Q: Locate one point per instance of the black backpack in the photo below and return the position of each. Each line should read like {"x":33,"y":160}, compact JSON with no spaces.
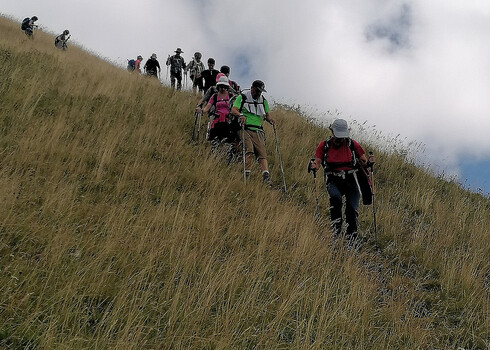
{"x":25,"y":23}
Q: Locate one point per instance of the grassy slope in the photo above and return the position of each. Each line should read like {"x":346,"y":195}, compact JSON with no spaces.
{"x":116,"y":232}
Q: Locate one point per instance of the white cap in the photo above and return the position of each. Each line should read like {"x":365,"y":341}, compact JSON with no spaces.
{"x":223,"y":81}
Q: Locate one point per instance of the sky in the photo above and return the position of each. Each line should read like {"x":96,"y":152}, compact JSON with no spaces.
{"x":414,"y":68}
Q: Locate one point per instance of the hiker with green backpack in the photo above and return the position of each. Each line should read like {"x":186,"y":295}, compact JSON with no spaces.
{"x":344,"y":165}
{"x":251,"y":107}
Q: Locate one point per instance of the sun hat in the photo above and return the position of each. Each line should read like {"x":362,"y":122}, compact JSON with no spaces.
{"x":259,"y":85}
{"x":223,"y":80}
{"x":179,"y":50}
{"x":153,"y":55}
{"x":339,"y":128}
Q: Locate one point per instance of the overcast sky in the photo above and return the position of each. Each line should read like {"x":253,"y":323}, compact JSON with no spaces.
{"x":418,"y":68}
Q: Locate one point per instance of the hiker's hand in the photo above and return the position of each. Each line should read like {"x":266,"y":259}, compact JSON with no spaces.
{"x":312,"y":166}
{"x":271,"y":121}
{"x":242,"y":119}
{"x":199,"y":108}
{"x":371,"y":160}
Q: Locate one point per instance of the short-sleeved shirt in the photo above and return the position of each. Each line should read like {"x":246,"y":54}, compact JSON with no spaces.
{"x":253,"y":121}
{"x":209,"y":77}
{"x":151,"y":66}
{"x":137,"y":64}
{"x":339,"y":156}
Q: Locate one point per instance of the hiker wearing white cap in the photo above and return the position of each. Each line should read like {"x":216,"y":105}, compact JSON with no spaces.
{"x":251,"y":107}
{"x":340,"y":157}
{"x":152,"y":66}
{"x":176,"y":63}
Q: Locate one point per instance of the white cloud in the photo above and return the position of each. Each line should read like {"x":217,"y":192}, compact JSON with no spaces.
{"x":415,"y":67}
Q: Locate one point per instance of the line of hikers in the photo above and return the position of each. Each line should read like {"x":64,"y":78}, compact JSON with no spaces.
{"x":236,"y":118}
{"x":28,"y":25}
{"x":202,"y":79}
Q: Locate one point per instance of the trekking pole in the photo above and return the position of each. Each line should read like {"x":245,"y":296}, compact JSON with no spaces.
{"x":196,"y":113}
{"x":371,"y":175}
{"x":280,"y":160}
{"x":243,"y":153}
{"x":199,"y":123}
{"x":310,"y":169}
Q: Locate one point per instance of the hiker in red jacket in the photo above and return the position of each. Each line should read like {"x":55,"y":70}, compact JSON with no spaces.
{"x":339,"y":156}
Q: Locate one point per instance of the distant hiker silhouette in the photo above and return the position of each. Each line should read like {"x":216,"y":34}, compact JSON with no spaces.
{"x":152,"y":66}
{"x":135,"y":65}
{"x":195,"y":68}
{"x":28,"y":26}
{"x":341,"y":158}
{"x":177,"y":64}
{"x":209,"y":75}
{"x":60,"y":40}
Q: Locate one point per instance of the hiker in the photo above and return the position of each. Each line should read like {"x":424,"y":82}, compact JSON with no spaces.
{"x":176,"y":63}
{"x":60,"y":40}
{"x":340,"y":157}
{"x":137,"y":64}
{"x":233,"y":85}
{"x":207,"y":95}
{"x":151,"y":66}
{"x":209,"y":75}
{"x":219,"y":109}
{"x":251,"y":107}
{"x":28,"y":26}
{"x":224,"y":71}
{"x":195,"y":67}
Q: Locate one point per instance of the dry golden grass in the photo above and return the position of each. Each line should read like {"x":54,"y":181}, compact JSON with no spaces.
{"x":117,"y":232}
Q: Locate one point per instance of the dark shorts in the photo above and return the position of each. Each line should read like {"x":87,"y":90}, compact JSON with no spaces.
{"x":197,"y":82}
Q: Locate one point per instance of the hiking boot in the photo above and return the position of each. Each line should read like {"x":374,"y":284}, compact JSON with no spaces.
{"x":266,"y":178}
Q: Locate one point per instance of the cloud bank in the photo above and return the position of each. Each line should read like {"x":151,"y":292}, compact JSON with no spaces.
{"x":416,"y":68}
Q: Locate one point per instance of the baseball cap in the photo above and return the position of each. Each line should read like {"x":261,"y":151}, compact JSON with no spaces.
{"x":259,"y":85}
{"x":339,"y":128}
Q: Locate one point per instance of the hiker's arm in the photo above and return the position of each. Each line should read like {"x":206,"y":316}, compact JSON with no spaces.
{"x":235,"y":112}
{"x":269,"y":119}
{"x":208,"y":107}
{"x":363,"y":160}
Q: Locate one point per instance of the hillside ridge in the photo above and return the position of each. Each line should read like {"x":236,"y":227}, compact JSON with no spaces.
{"x":118,"y":232}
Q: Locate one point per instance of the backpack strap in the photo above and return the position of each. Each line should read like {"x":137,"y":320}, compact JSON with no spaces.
{"x":244,"y":98}
{"x":350,"y":144}
{"x":215,"y":100}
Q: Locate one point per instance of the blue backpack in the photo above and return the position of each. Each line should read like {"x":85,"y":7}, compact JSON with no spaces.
{"x":130,"y":65}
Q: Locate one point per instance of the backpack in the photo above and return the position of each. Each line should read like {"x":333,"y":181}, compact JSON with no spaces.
{"x":130,"y":65}
{"x":352,"y":163}
{"x":230,"y":100}
{"x":361,"y":176}
{"x":25,"y":23}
